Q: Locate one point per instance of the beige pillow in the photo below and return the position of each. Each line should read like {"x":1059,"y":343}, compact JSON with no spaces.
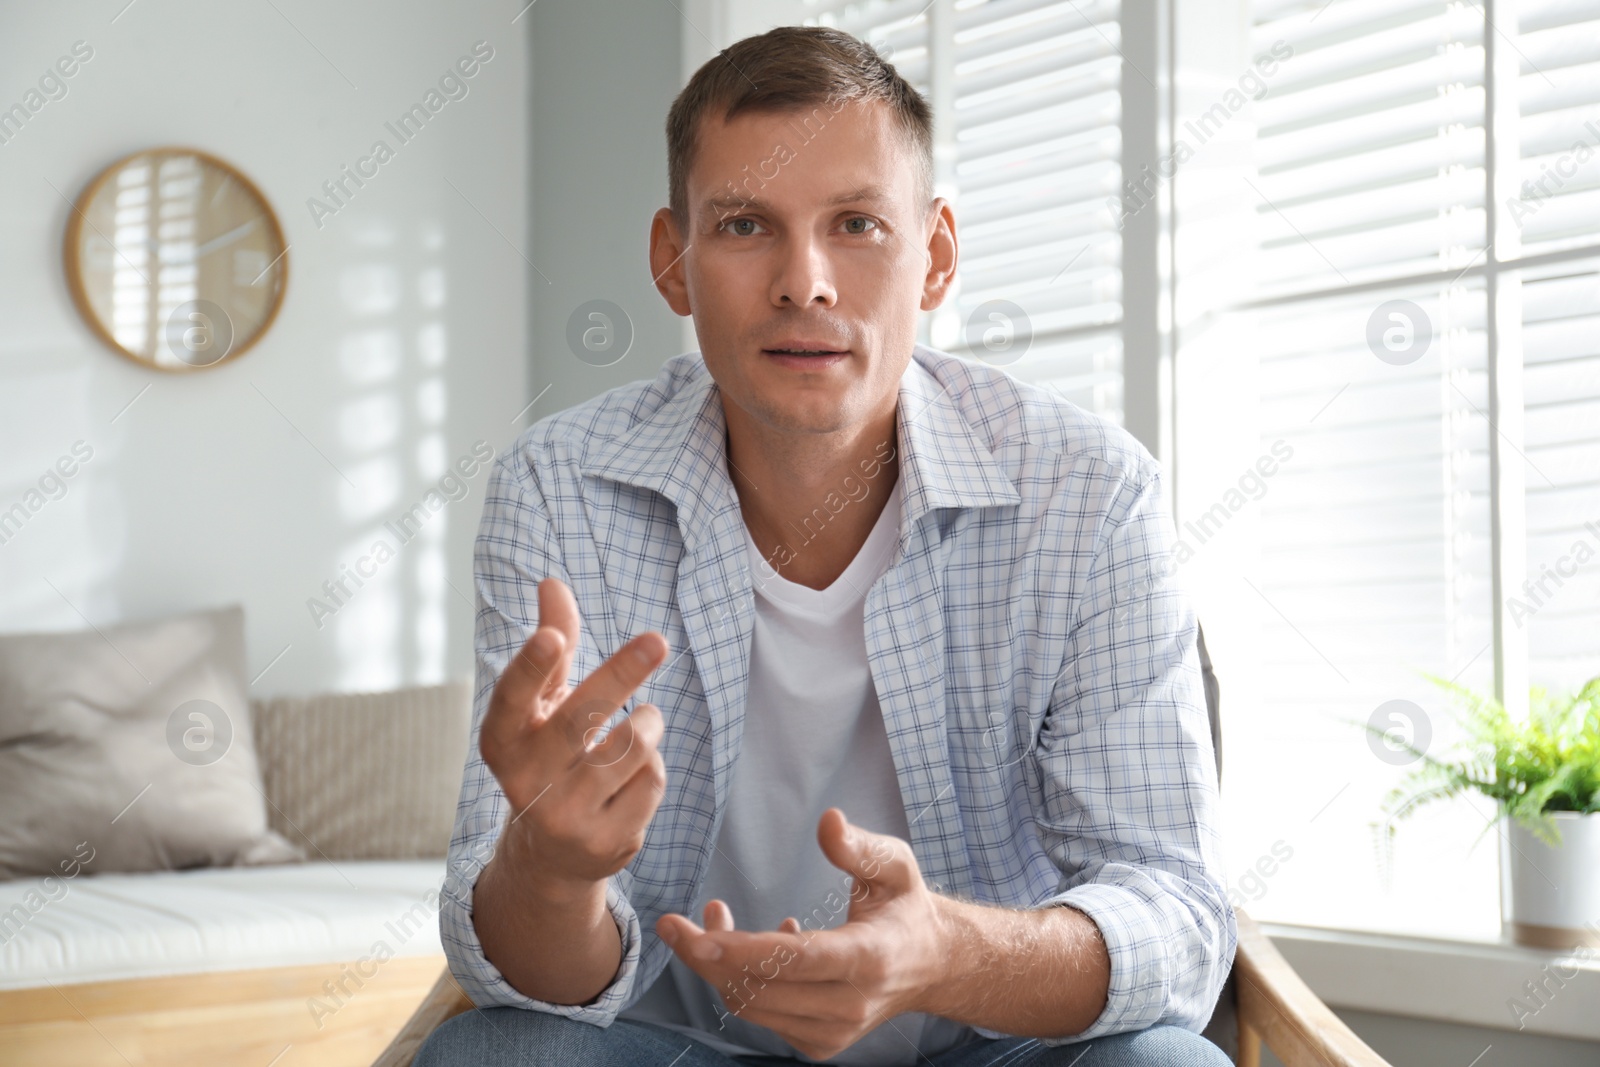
{"x":134,"y":740}
{"x":356,"y":776}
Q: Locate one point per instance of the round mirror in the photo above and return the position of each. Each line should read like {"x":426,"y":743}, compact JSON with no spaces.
{"x":175,"y":259}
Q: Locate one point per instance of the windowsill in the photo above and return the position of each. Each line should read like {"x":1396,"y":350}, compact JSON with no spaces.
{"x":1451,"y":981}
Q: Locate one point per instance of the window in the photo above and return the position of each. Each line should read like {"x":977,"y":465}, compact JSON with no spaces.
{"x":1417,"y":320}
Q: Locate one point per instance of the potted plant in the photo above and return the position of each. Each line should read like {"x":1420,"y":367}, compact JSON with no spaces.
{"x":1543,"y":773}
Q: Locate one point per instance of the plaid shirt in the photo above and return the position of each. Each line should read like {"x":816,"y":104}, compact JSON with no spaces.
{"x":1038,"y":676}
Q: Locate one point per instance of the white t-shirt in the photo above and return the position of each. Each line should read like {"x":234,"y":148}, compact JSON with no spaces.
{"x":814,"y":738}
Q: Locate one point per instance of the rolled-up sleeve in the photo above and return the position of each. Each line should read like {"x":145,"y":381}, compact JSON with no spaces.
{"x":515,"y":549}
{"x":1127,"y":777}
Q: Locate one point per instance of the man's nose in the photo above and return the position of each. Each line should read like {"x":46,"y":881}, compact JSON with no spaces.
{"x":805,"y":276}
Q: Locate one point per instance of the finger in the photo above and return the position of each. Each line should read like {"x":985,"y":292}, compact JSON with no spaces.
{"x":788,"y":1007}
{"x":547,"y":673}
{"x":678,"y":932}
{"x":879,"y":860}
{"x":636,"y":802}
{"x":791,"y":925}
{"x":599,"y":695}
{"x":616,"y":758}
{"x":697,"y":947}
{"x":814,"y":956}
{"x":827,"y":1002}
{"x":525,"y":677}
{"x":718,"y":915}
{"x":558,"y":609}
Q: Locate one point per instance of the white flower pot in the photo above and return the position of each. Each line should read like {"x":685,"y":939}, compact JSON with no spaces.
{"x":1550,"y":896}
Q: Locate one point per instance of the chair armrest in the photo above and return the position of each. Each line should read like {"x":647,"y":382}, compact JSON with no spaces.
{"x":444,"y":1001}
{"x":1280,"y":1009}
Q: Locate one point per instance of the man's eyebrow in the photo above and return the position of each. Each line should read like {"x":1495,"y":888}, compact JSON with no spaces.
{"x":723,"y":205}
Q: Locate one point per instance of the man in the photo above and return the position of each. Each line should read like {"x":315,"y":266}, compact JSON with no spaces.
{"x":926,"y":774}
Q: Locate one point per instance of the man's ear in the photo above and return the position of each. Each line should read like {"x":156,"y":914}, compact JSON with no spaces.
{"x":667,"y":247}
{"x":943,"y":252}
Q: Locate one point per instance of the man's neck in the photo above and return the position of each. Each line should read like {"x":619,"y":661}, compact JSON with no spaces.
{"x":810,"y":501}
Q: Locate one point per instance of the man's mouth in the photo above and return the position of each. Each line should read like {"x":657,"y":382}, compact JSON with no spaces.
{"x":804,"y":348}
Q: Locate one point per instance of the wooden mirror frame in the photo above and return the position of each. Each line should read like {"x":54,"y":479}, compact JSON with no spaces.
{"x":73,"y":240}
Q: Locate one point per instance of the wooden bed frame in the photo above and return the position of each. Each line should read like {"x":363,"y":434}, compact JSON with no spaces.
{"x":1275,"y":1008}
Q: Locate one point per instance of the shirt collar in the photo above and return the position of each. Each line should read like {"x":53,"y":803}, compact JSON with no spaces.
{"x":680,"y":450}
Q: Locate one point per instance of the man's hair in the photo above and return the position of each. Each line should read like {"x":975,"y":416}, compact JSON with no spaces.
{"x":793,"y":68}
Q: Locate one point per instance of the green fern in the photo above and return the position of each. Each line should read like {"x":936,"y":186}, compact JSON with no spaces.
{"x":1548,"y":763}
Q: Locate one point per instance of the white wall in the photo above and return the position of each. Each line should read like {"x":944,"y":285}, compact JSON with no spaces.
{"x":604,"y":74}
{"x":402,"y":338}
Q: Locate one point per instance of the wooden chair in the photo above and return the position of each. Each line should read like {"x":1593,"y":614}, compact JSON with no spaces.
{"x":1264,"y":1001}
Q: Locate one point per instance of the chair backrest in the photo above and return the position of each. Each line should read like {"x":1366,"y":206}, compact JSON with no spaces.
{"x":1213,"y":696}
{"x":1223,"y":1029}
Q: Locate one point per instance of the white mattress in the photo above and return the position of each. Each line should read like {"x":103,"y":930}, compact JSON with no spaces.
{"x":114,"y":926}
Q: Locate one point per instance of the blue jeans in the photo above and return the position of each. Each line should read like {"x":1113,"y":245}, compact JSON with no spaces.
{"x":514,"y":1037}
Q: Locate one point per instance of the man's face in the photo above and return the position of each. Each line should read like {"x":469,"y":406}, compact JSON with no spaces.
{"x":806,"y":229}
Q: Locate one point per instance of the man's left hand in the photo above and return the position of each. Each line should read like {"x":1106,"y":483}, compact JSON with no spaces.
{"x":821,"y":990}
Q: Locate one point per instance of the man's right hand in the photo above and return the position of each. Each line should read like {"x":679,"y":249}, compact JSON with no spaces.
{"x":579,"y":810}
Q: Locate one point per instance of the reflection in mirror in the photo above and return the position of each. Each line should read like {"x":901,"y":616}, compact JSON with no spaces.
{"x":175,"y":259}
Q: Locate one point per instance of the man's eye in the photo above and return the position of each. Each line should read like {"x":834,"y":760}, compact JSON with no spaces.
{"x":740,"y":222}
{"x":861,"y":218}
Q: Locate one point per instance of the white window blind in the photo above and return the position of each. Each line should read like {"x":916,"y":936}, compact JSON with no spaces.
{"x":1558,"y":189}
{"x":1561,"y":387}
{"x":1027,"y":95}
{"x":1371,"y":143}
{"x":1557,"y":209}
{"x":1371,"y":153}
